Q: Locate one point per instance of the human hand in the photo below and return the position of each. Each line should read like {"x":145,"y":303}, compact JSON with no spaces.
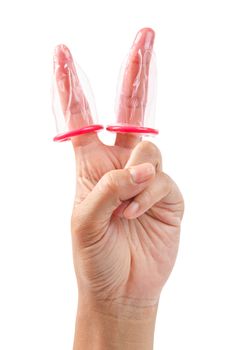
{"x":125,"y":232}
{"x":125,"y":226}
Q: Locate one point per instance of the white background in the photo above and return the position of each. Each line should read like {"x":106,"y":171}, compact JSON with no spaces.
{"x":38,"y":293}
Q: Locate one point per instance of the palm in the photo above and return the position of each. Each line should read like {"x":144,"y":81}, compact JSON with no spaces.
{"x":133,"y":257}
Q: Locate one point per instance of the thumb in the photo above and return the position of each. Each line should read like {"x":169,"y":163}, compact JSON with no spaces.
{"x":110,"y":192}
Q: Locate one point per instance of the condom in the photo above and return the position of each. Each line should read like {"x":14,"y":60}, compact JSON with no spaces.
{"x":72,"y":99}
{"x":136,"y":96}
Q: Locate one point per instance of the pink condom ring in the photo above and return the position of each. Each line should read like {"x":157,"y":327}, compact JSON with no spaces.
{"x":72,"y":100}
{"x":132,"y":129}
{"x":87,"y":129}
{"x":136,"y":98}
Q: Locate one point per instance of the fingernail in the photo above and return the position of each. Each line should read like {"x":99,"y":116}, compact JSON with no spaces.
{"x":137,"y":38}
{"x":145,"y":37}
{"x":61,"y":55}
{"x":142,"y":172}
{"x":132,"y":210}
{"x":149,"y":39}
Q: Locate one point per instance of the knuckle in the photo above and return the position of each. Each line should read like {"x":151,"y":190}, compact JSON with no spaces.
{"x":78,"y":221}
{"x":109,"y":182}
{"x":167,"y":182}
{"x":151,"y":149}
{"x":131,"y":102}
{"x":146,"y":198}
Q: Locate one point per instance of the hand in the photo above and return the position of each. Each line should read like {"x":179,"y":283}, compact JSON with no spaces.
{"x":125,"y":233}
{"x":125,"y":223}
{"x":123,"y":252}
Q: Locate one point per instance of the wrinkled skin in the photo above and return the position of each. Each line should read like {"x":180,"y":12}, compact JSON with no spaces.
{"x":123,"y":259}
{"x":119,"y":259}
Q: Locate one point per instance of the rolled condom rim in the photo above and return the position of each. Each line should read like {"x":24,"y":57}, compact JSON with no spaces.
{"x":85,"y":130}
{"x":132,"y":129}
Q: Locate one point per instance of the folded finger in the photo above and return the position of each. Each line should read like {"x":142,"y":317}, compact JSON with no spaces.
{"x":145,"y":152}
{"x":159,"y":189}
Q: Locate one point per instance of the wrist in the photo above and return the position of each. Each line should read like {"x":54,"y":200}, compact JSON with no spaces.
{"x":115,"y":325}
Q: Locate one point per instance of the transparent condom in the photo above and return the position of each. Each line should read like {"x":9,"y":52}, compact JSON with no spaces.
{"x":136,"y":97}
{"x":72,"y":99}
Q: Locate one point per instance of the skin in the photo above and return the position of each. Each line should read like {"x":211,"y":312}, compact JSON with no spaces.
{"x":133,"y":95}
{"x":125,"y":235}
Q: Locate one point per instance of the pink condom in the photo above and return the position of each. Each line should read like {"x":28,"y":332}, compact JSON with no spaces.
{"x":73,"y":102}
{"x":135,"y":103}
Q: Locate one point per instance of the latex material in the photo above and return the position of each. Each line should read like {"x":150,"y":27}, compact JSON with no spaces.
{"x":72,"y":100}
{"x":136,"y":99}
